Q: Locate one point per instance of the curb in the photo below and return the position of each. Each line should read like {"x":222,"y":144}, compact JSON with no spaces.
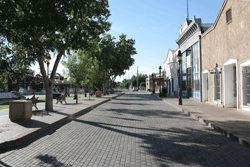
{"x":16,"y":142}
{"x":156,"y":96}
{"x":232,"y":135}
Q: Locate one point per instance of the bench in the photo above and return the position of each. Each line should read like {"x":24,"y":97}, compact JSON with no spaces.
{"x":34,"y":101}
{"x":61,"y":98}
{"x":92,"y":93}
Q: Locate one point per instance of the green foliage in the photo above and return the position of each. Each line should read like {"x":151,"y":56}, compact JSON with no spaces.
{"x":82,"y":68}
{"x":141,"y":78}
{"x":14,"y":62}
{"x":51,"y":25}
{"x":116,"y":57}
{"x":142,"y":84}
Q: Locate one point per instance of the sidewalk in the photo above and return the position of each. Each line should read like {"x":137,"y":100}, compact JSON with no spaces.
{"x":228,"y":121}
{"x":13,"y":134}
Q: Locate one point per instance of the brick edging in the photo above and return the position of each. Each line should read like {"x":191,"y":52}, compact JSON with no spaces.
{"x":214,"y":126}
{"x":16,"y":142}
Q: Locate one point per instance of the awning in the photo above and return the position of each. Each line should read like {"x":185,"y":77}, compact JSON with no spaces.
{"x":230,"y":61}
{"x":245,"y":63}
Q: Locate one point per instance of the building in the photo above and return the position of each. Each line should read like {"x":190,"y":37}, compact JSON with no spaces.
{"x":189,"y":44}
{"x":171,"y":67}
{"x":225,"y":57}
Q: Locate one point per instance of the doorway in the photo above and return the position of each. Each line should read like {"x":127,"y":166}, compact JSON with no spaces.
{"x":230,"y":83}
{"x":205,"y":87}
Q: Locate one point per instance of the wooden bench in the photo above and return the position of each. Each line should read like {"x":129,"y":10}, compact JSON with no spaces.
{"x":61,"y":98}
{"x":92,"y":93}
{"x":34,"y":100}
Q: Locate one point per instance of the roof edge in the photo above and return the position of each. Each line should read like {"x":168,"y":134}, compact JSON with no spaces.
{"x":216,"y":20}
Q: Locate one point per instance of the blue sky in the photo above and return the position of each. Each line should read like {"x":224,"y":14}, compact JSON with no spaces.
{"x":155,"y":25}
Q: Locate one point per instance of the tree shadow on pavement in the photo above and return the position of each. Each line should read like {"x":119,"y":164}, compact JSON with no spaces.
{"x":50,"y":160}
{"x":32,"y":124}
{"x":127,"y":119}
{"x":187,"y":146}
{"x":150,"y":113}
{"x":132,"y":103}
{"x":4,"y":164}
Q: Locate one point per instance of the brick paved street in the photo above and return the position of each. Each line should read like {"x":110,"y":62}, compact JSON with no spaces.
{"x":135,"y":129}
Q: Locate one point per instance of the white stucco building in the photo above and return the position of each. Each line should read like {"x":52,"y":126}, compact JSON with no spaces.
{"x":171,"y":67}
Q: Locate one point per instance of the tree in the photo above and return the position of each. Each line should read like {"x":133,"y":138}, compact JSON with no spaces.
{"x":141,"y":78}
{"x":52,"y":26}
{"x":116,"y":57}
{"x":14,"y":63}
{"x":84,"y":69}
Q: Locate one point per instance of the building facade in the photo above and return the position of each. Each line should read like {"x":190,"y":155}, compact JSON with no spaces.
{"x":225,"y":57}
{"x":189,"y":44}
{"x":171,"y":67}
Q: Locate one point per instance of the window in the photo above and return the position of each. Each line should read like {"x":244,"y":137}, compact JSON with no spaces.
{"x":246,"y":86}
{"x":172,"y":84}
{"x":217,"y":87}
{"x":229,"y":15}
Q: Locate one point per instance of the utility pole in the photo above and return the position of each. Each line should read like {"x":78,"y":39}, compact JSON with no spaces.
{"x":137,"y":78}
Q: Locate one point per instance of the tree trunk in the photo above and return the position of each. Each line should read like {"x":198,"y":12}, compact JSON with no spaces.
{"x":89,"y":92}
{"x":104,"y":89}
{"x":85,"y":91}
{"x":18,"y":84}
{"x":49,"y":98}
{"x":9,"y":85}
{"x":77,"y":94}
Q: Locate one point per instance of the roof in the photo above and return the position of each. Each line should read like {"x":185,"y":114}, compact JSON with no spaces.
{"x":192,"y":27}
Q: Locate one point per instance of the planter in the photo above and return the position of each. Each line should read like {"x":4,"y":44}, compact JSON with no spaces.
{"x":98,"y":94}
{"x":20,"y":110}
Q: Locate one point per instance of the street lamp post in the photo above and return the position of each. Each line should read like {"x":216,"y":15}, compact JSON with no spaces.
{"x":48,"y":61}
{"x":153,"y":84}
{"x":179,"y":56}
{"x":160,"y":81}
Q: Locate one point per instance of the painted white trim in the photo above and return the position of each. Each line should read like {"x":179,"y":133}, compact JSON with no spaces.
{"x":205,"y":71}
{"x":241,"y":76}
{"x":207,"y":84}
{"x":229,"y":62}
{"x":245,"y":108}
{"x":237,"y":85}
{"x":245,"y":63}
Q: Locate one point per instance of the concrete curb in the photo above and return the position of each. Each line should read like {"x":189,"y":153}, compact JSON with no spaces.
{"x":16,"y":142}
{"x":155,"y":96}
{"x":232,"y":135}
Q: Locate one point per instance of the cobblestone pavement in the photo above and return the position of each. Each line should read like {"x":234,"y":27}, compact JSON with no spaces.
{"x":136,"y":129}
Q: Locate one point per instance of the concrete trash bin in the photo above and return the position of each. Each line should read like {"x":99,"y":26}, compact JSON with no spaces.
{"x":20,"y":110}
{"x":98,"y":94}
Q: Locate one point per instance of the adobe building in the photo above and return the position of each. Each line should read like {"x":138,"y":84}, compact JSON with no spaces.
{"x":189,"y":45}
{"x":225,"y":57}
{"x":171,"y":67}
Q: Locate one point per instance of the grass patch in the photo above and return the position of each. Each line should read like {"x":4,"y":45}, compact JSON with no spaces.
{"x":4,"y":106}
{"x":40,"y":99}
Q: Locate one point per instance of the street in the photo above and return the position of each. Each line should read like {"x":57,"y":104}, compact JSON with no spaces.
{"x":135,"y":129}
